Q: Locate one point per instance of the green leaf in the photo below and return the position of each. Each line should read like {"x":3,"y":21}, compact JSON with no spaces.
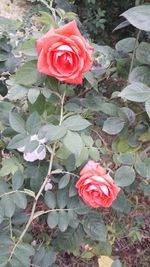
{"x":143,"y":167}
{"x":94,"y":153}
{"x":94,"y":227}
{"x":103,"y":248}
{"x":83,"y":157}
{"x":27,"y":74}
{"x":49,"y":259}
{"x":91,"y":79}
{"x":121,"y":204}
{"x":139,"y":17}
{"x":10,"y":165}
{"x":87,"y":140}
{"x":147,"y":107}
{"x":64,"y":181}
{"x":124,"y":176}
{"x":52,"y":219}
{"x":109,"y":109}
{"x":17,"y":180}
{"x":126,"y":158}
{"x":140,"y":74}
{"x":16,"y":122}
{"x":76,"y":123}
{"x":1,"y":214}
{"x":3,"y":55}
{"x":136,"y":91}
{"x":73,"y":142}
{"x":51,"y":83}
{"x":63,"y":220}
{"x":17,"y":141}
{"x":29,"y":48}
{"x":17,"y":92}
{"x":38,"y":106}
{"x":8,"y":205}
{"x":33,"y":94}
{"x":62,"y":198}
{"x":23,"y":254}
{"x":52,"y":132}
{"x":47,"y":19}
{"x":50,"y":199}
{"x":33,"y":123}
{"x":20,"y":200}
{"x":3,"y":186}
{"x":31,"y":146}
{"x":126,"y":45}
{"x":113,"y":125}
{"x":143,"y":53}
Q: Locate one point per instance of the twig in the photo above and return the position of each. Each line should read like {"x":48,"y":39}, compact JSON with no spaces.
{"x":12,"y":192}
{"x":134,"y":51}
{"x":10,"y":227}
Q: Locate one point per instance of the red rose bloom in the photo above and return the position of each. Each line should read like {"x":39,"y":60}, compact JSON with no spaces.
{"x":96,"y":187}
{"x":64,"y":54}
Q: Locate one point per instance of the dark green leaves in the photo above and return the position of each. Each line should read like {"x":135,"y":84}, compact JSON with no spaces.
{"x":121,"y":204}
{"x":53,"y":132}
{"x":16,"y":122}
{"x":17,"y":180}
{"x":76,"y":123}
{"x":44,"y":258}
{"x":29,"y":48}
{"x":50,"y":200}
{"x":63,"y":220}
{"x":8,"y":205}
{"x":27,"y":74}
{"x":64,"y":181}
{"x":140,"y":74}
{"x":136,"y":91}
{"x":94,"y":227}
{"x":33,"y":123}
{"x":73,"y":142}
{"x":52,"y":219}
{"x":143,"y":53}
{"x":126,"y":45}
{"x":113,"y":125}
{"x":124,"y":176}
{"x":139,"y":17}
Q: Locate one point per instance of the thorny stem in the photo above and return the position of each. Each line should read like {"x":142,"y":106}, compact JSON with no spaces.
{"x":41,"y":188}
{"x":134,"y":51}
{"x":103,"y":141}
{"x":50,"y":7}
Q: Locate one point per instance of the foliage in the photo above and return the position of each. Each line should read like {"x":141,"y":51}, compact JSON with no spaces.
{"x":74,"y":122}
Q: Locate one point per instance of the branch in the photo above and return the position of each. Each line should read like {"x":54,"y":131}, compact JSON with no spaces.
{"x":31,"y":218}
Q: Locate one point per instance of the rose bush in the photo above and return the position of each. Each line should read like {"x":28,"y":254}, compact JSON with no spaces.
{"x":96,"y":187}
{"x":55,"y":141}
{"x":64,"y":54}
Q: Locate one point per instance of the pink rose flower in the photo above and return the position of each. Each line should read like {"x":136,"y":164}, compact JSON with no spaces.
{"x":64,"y":54}
{"x":96,"y":187}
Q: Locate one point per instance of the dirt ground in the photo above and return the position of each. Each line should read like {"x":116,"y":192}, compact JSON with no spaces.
{"x":13,"y":10}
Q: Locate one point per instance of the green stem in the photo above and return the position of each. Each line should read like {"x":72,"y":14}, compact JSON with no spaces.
{"x":38,"y":214}
{"x":41,"y":188}
{"x":134,"y":51}
{"x":12,"y":192}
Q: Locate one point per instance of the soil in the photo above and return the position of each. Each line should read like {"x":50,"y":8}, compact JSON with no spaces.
{"x":12,"y":10}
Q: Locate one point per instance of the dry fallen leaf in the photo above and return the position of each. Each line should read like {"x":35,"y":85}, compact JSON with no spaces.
{"x":105,"y":261}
